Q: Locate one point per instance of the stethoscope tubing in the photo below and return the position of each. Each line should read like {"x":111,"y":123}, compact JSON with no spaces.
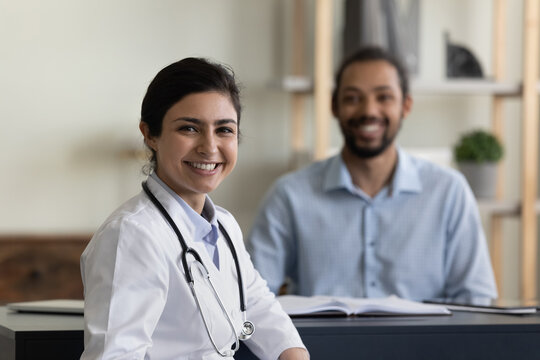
{"x":229,"y":320}
{"x":245,"y":333}
{"x":188,"y":250}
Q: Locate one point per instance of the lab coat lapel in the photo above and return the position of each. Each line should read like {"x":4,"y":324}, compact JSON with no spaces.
{"x":172,"y":206}
{"x":226,"y":288}
{"x":228,"y":281}
{"x":225,"y":279}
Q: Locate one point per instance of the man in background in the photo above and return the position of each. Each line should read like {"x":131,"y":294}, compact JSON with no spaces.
{"x":373,"y":220}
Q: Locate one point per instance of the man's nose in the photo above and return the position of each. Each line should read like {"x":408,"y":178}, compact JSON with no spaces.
{"x":368,"y":108}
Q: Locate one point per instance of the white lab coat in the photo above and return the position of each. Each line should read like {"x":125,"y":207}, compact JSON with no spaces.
{"x":138,"y":304}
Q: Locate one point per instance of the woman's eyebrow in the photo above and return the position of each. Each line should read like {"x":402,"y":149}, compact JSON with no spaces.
{"x":198,"y":122}
{"x":225,"y":121}
{"x":188,"y":119}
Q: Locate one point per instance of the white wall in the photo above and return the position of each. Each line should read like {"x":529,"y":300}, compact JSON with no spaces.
{"x":72,"y":77}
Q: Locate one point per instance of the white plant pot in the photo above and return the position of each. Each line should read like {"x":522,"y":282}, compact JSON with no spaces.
{"x":482,"y":178}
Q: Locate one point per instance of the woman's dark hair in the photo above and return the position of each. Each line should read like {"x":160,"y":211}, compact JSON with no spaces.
{"x":372,"y":53}
{"x":182,"y":78}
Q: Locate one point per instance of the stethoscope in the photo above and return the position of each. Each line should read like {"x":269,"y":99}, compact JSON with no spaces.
{"x":247,"y":327}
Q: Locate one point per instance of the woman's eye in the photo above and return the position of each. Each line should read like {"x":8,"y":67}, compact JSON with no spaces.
{"x":225,"y":130}
{"x":187,"y":128}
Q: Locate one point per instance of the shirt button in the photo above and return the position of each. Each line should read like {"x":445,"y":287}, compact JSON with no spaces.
{"x":372,"y":284}
{"x":372,"y":243}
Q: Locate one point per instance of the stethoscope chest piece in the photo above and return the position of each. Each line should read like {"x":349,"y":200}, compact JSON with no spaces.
{"x":247,"y":330}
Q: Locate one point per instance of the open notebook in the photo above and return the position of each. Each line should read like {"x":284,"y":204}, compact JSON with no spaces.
{"x":49,"y":306}
{"x":330,"y":305}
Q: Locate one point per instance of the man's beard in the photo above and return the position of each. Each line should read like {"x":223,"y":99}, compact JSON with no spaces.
{"x":365,"y":152}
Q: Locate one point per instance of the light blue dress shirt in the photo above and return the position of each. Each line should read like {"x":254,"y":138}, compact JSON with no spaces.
{"x":206,"y":225}
{"x":419,"y":238}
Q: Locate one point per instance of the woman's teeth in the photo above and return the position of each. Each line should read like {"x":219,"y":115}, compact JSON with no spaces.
{"x":202,"y":166}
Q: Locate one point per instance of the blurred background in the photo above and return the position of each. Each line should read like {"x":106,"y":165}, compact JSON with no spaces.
{"x":73,"y":74}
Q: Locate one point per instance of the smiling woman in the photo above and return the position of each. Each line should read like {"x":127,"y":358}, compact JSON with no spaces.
{"x":197,"y":147}
{"x":167,"y":275}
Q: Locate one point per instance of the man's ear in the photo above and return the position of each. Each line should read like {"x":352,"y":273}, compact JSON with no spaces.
{"x":407,"y":105}
{"x":334,"y":107}
{"x":148,"y":139}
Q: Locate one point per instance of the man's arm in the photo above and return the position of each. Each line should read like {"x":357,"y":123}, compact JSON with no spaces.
{"x":271,"y":240}
{"x":467,"y":264}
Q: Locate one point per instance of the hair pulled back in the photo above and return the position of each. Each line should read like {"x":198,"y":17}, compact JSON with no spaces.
{"x":180,"y":79}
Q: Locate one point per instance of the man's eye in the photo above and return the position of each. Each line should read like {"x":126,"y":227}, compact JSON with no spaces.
{"x":385,"y":97}
{"x":350,"y":99}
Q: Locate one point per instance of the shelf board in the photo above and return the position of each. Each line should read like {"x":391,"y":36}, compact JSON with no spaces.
{"x":296,"y":84}
{"x":304,"y":84}
{"x":503,"y":207}
{"x":465,"y":87}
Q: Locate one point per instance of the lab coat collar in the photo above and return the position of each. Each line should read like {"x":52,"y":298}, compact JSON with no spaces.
{"x":197,"y":227}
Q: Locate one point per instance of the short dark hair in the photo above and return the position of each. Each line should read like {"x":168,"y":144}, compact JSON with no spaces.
{"x":182,"y":78}
{"x":372,"y":53}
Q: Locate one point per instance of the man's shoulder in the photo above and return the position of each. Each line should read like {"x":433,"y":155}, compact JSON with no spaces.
{"x":427,"y":169}
{"x":437,"y":179}
{"x":308,"y":174}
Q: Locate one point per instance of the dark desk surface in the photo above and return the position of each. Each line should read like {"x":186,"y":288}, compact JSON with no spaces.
{"x":460,"y":336}
{"x":40,"y":336}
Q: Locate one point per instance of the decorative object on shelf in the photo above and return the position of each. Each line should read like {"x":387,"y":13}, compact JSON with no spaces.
{"x":390,"y":24}
{"x":460,"y":61}
{"x":476,"y":155}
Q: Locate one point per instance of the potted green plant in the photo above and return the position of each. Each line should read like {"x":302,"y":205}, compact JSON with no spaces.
{"x":477,"y":154}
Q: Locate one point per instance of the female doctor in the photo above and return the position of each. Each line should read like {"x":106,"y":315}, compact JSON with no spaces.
{"x":167,"y":277}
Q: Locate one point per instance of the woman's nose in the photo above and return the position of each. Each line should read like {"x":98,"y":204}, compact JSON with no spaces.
{"x":207,"y":144}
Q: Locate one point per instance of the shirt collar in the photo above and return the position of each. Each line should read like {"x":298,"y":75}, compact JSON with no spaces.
{"x":406,"y":177}
{"x":337,"y":176}
{"x":203,"y":225}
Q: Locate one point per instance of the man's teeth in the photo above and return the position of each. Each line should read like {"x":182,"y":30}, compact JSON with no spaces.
{"x":369,"y":128}
{"x":203,"y":166}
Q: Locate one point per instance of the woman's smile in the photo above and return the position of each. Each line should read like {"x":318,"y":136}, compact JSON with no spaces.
{"x":203,"y":166}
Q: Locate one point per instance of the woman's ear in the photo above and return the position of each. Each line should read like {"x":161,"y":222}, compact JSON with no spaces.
{"x":148,"y":139}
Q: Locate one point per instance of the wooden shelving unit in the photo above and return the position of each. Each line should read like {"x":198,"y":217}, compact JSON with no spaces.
{"x":528,"y":207}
